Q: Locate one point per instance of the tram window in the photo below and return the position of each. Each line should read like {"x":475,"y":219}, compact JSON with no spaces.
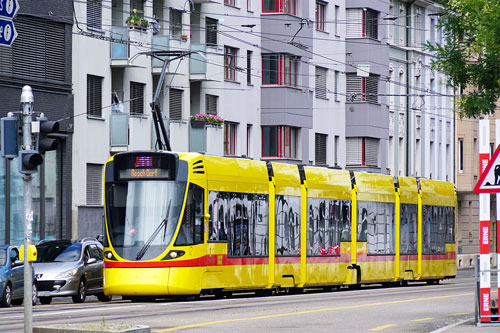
{"x":408,"y":230}
{"x":191,"y":230}
{"x":434,"y":233}
{"x":345,"y":221}
{"x":325,"y":218}
{"x":450,"y":224}
{"x":380,"y":226}
{"x":287,"y":225}
{"x":241,"y":219}
{"x":362,"y":224}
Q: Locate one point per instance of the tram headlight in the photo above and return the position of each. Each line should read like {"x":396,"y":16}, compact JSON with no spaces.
{"x":174,"y":254}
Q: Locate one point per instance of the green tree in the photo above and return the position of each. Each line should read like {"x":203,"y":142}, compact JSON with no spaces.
{"x":470,"y":55}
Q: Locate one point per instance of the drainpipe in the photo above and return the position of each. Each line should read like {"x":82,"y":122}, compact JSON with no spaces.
{"x":407,"y":86}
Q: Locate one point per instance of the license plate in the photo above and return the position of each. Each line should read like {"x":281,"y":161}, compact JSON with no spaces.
{"x":43,"y":293}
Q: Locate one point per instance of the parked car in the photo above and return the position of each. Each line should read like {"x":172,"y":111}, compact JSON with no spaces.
{"x":12,"y":277}
{"x":70,"y":268}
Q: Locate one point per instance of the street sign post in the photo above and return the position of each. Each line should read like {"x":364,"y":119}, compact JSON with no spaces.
{"x":7,"y":32}
{"x":8,"y":8}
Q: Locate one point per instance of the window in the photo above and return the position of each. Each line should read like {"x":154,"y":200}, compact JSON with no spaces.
{"x":287,"y":212}
{"x":241,"y":220}
{"x":175,"y":23}
{"x":279,"y":141}
{"x":211,"y":104}
{"x":336,"y":86}
{"x":320,"y":148}
{"x":230,"y":54}
{"x":362,"y":23}
{"x":230,"y":2}
{"x":320,"y":86}
{"x":249,"y":5}
{"x":191,"y":230}
{"x":376,"y":226}
{"x":249,"y":131}
{"x":94,"y":95}
{"x":280,"y":6}
{"x":249,"y":67}
{"x":460,"y":155}
{"x":328,"y":221}
{"x":94,"y":14}
{"x":362,"y":151}
{"x":438,"y":224}
{"x":336,"y":23}
{"x":175,"y":104}
{"x":433,"y":31}
{"x":408,"y":229}
{"x":139,"y":5}
{"x":362,"y":89}
{"x":419,"y":26}
{"x":320,"y":15}
{"x":136,"y":98}
{"x":335,"y":150}
{"x":211,"y":31}
{"x":94,"y":184}
{"x":229,"y":138}
{"x":280,"y":69}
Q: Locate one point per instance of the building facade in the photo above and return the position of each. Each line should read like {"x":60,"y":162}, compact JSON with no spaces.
{"x":41,"y":58}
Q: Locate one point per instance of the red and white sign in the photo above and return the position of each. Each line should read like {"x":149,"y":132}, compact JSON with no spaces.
{"x":489,"y":180}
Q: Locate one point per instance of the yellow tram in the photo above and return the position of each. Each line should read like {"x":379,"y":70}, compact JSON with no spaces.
{"x":190,"y":224}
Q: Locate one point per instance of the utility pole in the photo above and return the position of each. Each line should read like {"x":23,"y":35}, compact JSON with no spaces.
{"x":27,"y":108}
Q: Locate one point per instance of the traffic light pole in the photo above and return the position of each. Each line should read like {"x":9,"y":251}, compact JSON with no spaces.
{"x":27,"y":105}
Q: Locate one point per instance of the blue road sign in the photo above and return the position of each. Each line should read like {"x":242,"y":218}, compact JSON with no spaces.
{"x":8,"y":8}
{"x":7,"y":32}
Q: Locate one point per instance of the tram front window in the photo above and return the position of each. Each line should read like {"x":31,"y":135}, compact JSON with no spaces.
{"x":142,"y":216}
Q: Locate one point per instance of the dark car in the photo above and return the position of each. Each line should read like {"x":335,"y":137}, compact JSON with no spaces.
{"x":12,"y":277}
{"x":70,"y":268}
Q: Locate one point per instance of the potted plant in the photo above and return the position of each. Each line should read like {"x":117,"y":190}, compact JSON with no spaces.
{"x":199,"y":120}
{"x":135,"y":20}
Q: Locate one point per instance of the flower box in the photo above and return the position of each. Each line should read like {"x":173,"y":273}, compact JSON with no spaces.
{"x":198,"y":123}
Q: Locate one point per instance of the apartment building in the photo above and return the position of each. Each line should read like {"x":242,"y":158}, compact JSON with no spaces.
{"x":272,"y":69}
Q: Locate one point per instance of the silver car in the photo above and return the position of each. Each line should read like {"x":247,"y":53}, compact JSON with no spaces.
{"x":70,"y":268}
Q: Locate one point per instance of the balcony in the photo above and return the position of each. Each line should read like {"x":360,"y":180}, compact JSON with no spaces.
{"x":160,"y":43}
{"x":206,"y":64}
{"x":206,"y":138}
{"x":127,"y":43}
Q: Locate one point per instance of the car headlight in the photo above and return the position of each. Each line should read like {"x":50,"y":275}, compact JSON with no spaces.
{"x":67,"y":274}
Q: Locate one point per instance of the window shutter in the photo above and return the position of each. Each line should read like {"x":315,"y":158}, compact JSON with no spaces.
{"x":94,"y":95}
{"x":94,"y":14}
{"x":211,"y":31}
{"x":320,"y":88}
{"x":353,"y":87}
{"x":371,"y":151}
{"x":175,"y":104}
{"x":371,"y":23}
{"x":320,"y":149}
{"x":136,"y":98}
{"x":175,"y":23}
{"x":354,"y":151}
{"x":354,"y":23}
{"x":211,"y":104}
{"x":371,"y":89}
{"x":94,"y":184}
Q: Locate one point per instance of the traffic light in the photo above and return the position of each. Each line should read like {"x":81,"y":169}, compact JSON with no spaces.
{"x":9,"y":137}
{"x":47,"y":138}
{"x":29,"y":160}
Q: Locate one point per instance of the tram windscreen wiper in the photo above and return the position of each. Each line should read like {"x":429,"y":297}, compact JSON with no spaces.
{"x":163,"y":224}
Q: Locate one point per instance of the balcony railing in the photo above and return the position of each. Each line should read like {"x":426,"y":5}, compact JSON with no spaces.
{"x":119,"y":129}
{"x":160,"y":43}
{"x":120,"y":50}
{"x":197,"y":63}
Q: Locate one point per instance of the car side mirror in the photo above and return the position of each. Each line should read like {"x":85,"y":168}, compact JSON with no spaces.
{"x":91,"y":261}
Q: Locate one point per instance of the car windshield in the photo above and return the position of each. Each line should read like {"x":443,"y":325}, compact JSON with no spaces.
{"x":60,"y":252}
{"x":3,"y":257}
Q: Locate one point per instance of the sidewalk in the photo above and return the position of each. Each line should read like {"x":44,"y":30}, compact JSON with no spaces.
{"x":468,"y":325}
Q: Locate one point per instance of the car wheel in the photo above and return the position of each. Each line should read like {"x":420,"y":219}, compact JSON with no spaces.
{"x":82,"y":293}
{"x":7,"y":296}
{"x":34,"y":297}
{"x":45,"y":299}
{"x":104,"y":298}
